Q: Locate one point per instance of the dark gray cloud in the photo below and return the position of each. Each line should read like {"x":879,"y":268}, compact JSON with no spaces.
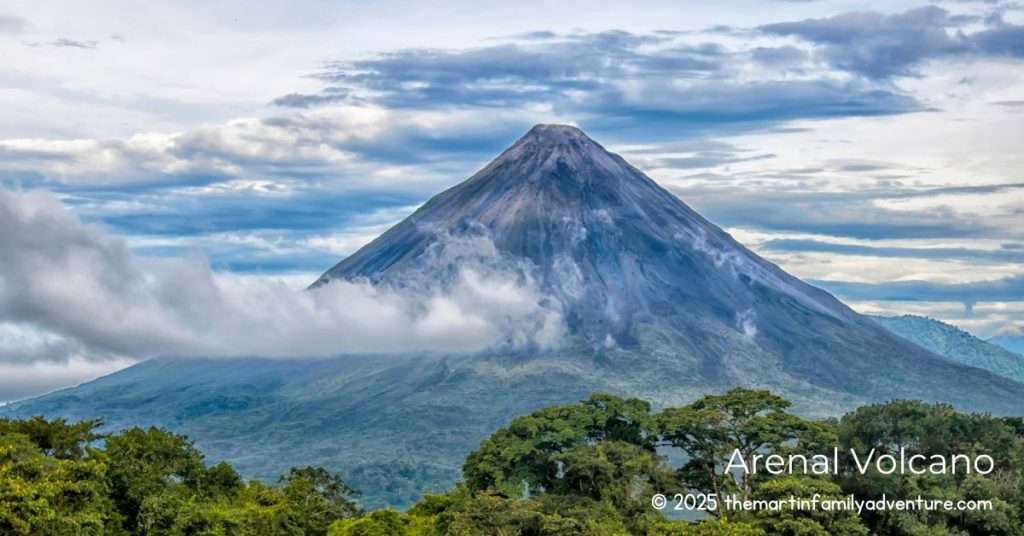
{"x":73,"y":43}
{"x":880,"y":46}
{"x":1003,"y":255}
{"x":12,"y":25}
{"x":852,"y":214}
{"x":299,"y":100}
{"x":171,"y":214}
{"x":970,"y":1}
{"x":626,"y":79}
{"x":64,"y":42}
{"x":1003,"y":39}
{"x":705,"y":159}
{"x":784,"y":55}
{"x":609,"y":81}
{"x":514,"y":73}
{"x":863,"y":166}
{"x":1008,"y":289}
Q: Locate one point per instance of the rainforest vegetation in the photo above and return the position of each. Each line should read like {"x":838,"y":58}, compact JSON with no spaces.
{"x":590,"y":468}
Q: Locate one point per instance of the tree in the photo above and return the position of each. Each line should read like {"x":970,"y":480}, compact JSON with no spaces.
{"x":925,"y":429}
{"x":531,"y":454}
{"x":221,"y":481}
{"x":317,"y":498}
{"x":145,"y":464}
{"x":386,"y":522}
{"x":568,"y":469}
{"x":467,"y":513}
{"x":580,"y":469}
{"x":44,"y":495}
{"x":257,"y":509}
{"x":55,"y":437}
{"x":715,"y":526}
{"x":742,"y":421}
{"x":801,"y":522}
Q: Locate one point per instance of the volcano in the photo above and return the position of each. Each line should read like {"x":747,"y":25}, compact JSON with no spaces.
{"x":654,"y":301}
{"x":633,"y":268}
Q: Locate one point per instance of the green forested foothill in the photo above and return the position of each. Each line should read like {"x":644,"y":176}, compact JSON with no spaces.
{"x":584,"y":469}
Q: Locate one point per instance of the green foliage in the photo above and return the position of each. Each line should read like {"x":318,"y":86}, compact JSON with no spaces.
{"x":600,"y":453}
{"x":400,"y":481}
{"x":790,"y":522}
{"x":318,"y":498}
{"x":553,"y":449}
{"x":148,"y":482}
{"x":716,"y":526}
{"x":470,"y":513}
{"x":258,"y":509}
{"x":44,"y":495}
{"x":54,"y":438}
{"x":386,"y":522}
{"x":747,"y":421}
{"x":936,"y":429}
{"x":581,"y":469}
{"x":152,"y":465}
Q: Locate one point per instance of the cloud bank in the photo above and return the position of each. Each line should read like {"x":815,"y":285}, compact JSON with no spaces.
{"x":67,"y":289}
{"x":612,"y":79}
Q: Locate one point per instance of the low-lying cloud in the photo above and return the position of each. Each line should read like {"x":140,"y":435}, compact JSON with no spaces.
{"x":65,"y":286}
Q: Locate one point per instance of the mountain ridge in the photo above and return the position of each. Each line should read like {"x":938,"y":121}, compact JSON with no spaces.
{"x":956,"y":344}
{"x":1012,"y":339}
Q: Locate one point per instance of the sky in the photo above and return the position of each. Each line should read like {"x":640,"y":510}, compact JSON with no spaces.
{"x":239,"y":149}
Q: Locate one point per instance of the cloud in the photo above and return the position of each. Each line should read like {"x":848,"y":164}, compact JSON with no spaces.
{"x":73,"y":43}
{"x":344,"y":144}
{"x":1004,"y":255}
{"x":882,"y":46}
{"x":855,"y":214}
{"x":299,"y":100}
{"x":12,"y":25}
{"x":1010,"y":103}
{"x":508,"y":74}
{"x":257,"y":193}
{"x":783,"y":55}
{"x":607,"y":80}
{"x":704,"y":159}
{"x":391,"y":129}
{"x":75,"y":287}
{"x":260,"y":194}
{"x":1008,"y":289}
{"x":64,"y":42}
{"x":22,"y":380}
{"x":267,"y":187}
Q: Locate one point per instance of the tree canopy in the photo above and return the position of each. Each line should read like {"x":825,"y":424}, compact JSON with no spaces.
{"x":589,"y":468}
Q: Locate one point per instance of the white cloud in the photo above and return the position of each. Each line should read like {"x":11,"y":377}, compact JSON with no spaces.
{"x":87,"y":290}
{"x":336,"y":148}
{"x":20,"y":380}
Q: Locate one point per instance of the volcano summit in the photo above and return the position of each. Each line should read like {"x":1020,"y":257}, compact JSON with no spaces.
{"x":651,"y":299}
